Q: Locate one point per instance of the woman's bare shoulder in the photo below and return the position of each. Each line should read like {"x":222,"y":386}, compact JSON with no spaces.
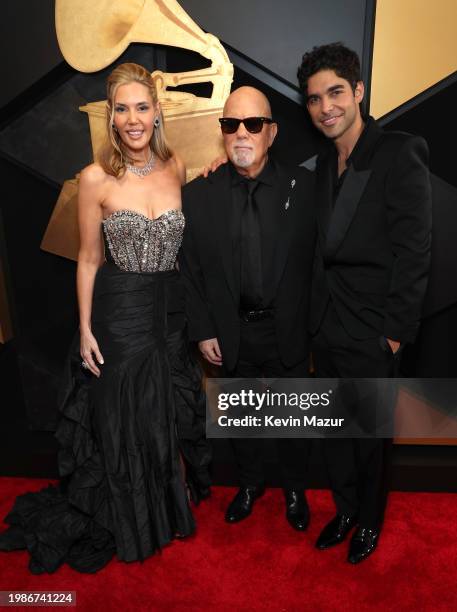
{"x":180,"y":167}
{"x":93,"y":175}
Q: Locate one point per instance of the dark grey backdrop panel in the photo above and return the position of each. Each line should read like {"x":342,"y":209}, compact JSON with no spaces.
{"x":276,"y":34}
{"x":28,"y":45}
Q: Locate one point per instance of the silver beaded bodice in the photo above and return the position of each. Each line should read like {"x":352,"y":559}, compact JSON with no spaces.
{"x":139,"y":244}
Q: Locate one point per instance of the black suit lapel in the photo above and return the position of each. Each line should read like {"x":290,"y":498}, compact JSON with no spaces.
{"x":324,"y":189}
{"x":334,"y":225}
{"x":220,"y":196}
{"x":345,"y":207}
{"x":287,"y":201}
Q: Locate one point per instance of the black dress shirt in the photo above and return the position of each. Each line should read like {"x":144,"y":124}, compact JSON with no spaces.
{"x":267,"y":200}
{"x":339,"y":180}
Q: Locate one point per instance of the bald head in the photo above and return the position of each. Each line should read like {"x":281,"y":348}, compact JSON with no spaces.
{"x":248,"y":151}
{"x":247,"y":98}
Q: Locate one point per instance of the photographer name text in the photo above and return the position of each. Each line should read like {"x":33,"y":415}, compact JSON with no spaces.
{"x":272,"y":421}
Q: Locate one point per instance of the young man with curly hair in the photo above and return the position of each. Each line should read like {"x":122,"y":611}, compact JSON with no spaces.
{"x":370,"y":271}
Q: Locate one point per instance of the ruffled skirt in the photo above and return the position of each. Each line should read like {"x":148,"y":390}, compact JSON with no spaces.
{"x":122,"y":488}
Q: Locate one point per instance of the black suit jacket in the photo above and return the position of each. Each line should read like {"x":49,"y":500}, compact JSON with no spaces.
{"x":373,"y":250}
{"x":208,"y":271}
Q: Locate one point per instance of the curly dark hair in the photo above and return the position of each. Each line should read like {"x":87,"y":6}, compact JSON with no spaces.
{"x":334,"y":56}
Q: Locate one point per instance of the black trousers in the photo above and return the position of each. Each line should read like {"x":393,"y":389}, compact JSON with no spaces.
{"x":357,"y":468}
{"x":259,"y":357}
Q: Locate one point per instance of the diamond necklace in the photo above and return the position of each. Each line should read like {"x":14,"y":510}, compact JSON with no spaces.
{"x":143,"y":170}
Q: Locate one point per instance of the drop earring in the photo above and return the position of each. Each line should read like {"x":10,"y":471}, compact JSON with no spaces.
{"x":156,"y":122}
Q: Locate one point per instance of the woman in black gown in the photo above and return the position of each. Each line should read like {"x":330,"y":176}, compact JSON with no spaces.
{"x":132,"y":409}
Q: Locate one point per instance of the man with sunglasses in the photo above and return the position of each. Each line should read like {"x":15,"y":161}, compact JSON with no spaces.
{"x":246,"y":262}
{"x":370,"y":274}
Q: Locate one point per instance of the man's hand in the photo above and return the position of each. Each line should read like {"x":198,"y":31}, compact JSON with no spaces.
{"x":214,"y":165}
{"x":394,"y":345}
{"x":211,"y":351}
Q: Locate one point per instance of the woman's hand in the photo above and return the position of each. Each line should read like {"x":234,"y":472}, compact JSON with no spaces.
{"x":214,"y":165}
{"x":88,"y":348}
{"x":91,"y":194}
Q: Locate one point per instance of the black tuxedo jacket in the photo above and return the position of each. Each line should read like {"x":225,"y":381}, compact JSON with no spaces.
{"x":373,"y":249}
{"x":207,"y":264}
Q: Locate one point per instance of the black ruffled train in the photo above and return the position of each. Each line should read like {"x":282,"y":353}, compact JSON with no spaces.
{"x":122,"y":489}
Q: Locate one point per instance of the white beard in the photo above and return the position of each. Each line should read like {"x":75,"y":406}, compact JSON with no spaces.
{"x":243,"y":159}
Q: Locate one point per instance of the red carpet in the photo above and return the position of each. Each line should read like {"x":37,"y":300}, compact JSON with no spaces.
{"x":262,"y":564}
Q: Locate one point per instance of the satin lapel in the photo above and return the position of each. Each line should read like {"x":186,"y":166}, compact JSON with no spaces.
{"x":345,"y":207}
{"x":324,"y":199}
{"x":220,"y":196}
{"x":287,"y":201}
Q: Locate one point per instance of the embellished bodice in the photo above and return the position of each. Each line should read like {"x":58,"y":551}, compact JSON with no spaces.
{"x":136,"y":243}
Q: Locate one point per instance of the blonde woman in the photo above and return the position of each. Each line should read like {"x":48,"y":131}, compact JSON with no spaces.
{"x":130,"y":384}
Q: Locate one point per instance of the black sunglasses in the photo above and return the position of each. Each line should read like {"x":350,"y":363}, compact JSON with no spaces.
{"x":254,"y":125}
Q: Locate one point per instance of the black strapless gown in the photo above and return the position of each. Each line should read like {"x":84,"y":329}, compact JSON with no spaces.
{"x":122,"y":489}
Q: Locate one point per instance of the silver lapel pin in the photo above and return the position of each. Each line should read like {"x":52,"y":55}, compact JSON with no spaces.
{"x":292,"y":184}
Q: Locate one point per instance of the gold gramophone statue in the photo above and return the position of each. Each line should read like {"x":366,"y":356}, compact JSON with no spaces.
{"x":94,"y":33}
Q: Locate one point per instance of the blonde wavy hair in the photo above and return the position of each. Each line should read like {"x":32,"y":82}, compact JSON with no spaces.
{"x":114,"y":154}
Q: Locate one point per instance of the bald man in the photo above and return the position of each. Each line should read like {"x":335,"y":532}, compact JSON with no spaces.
{"x":246,"y":263}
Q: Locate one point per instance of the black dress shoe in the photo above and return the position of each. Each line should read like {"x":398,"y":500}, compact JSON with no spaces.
{"x":363,"y":543}
{"x":241,"y":505}
{"x":336,"y":531}
{"x":297,"y":511}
